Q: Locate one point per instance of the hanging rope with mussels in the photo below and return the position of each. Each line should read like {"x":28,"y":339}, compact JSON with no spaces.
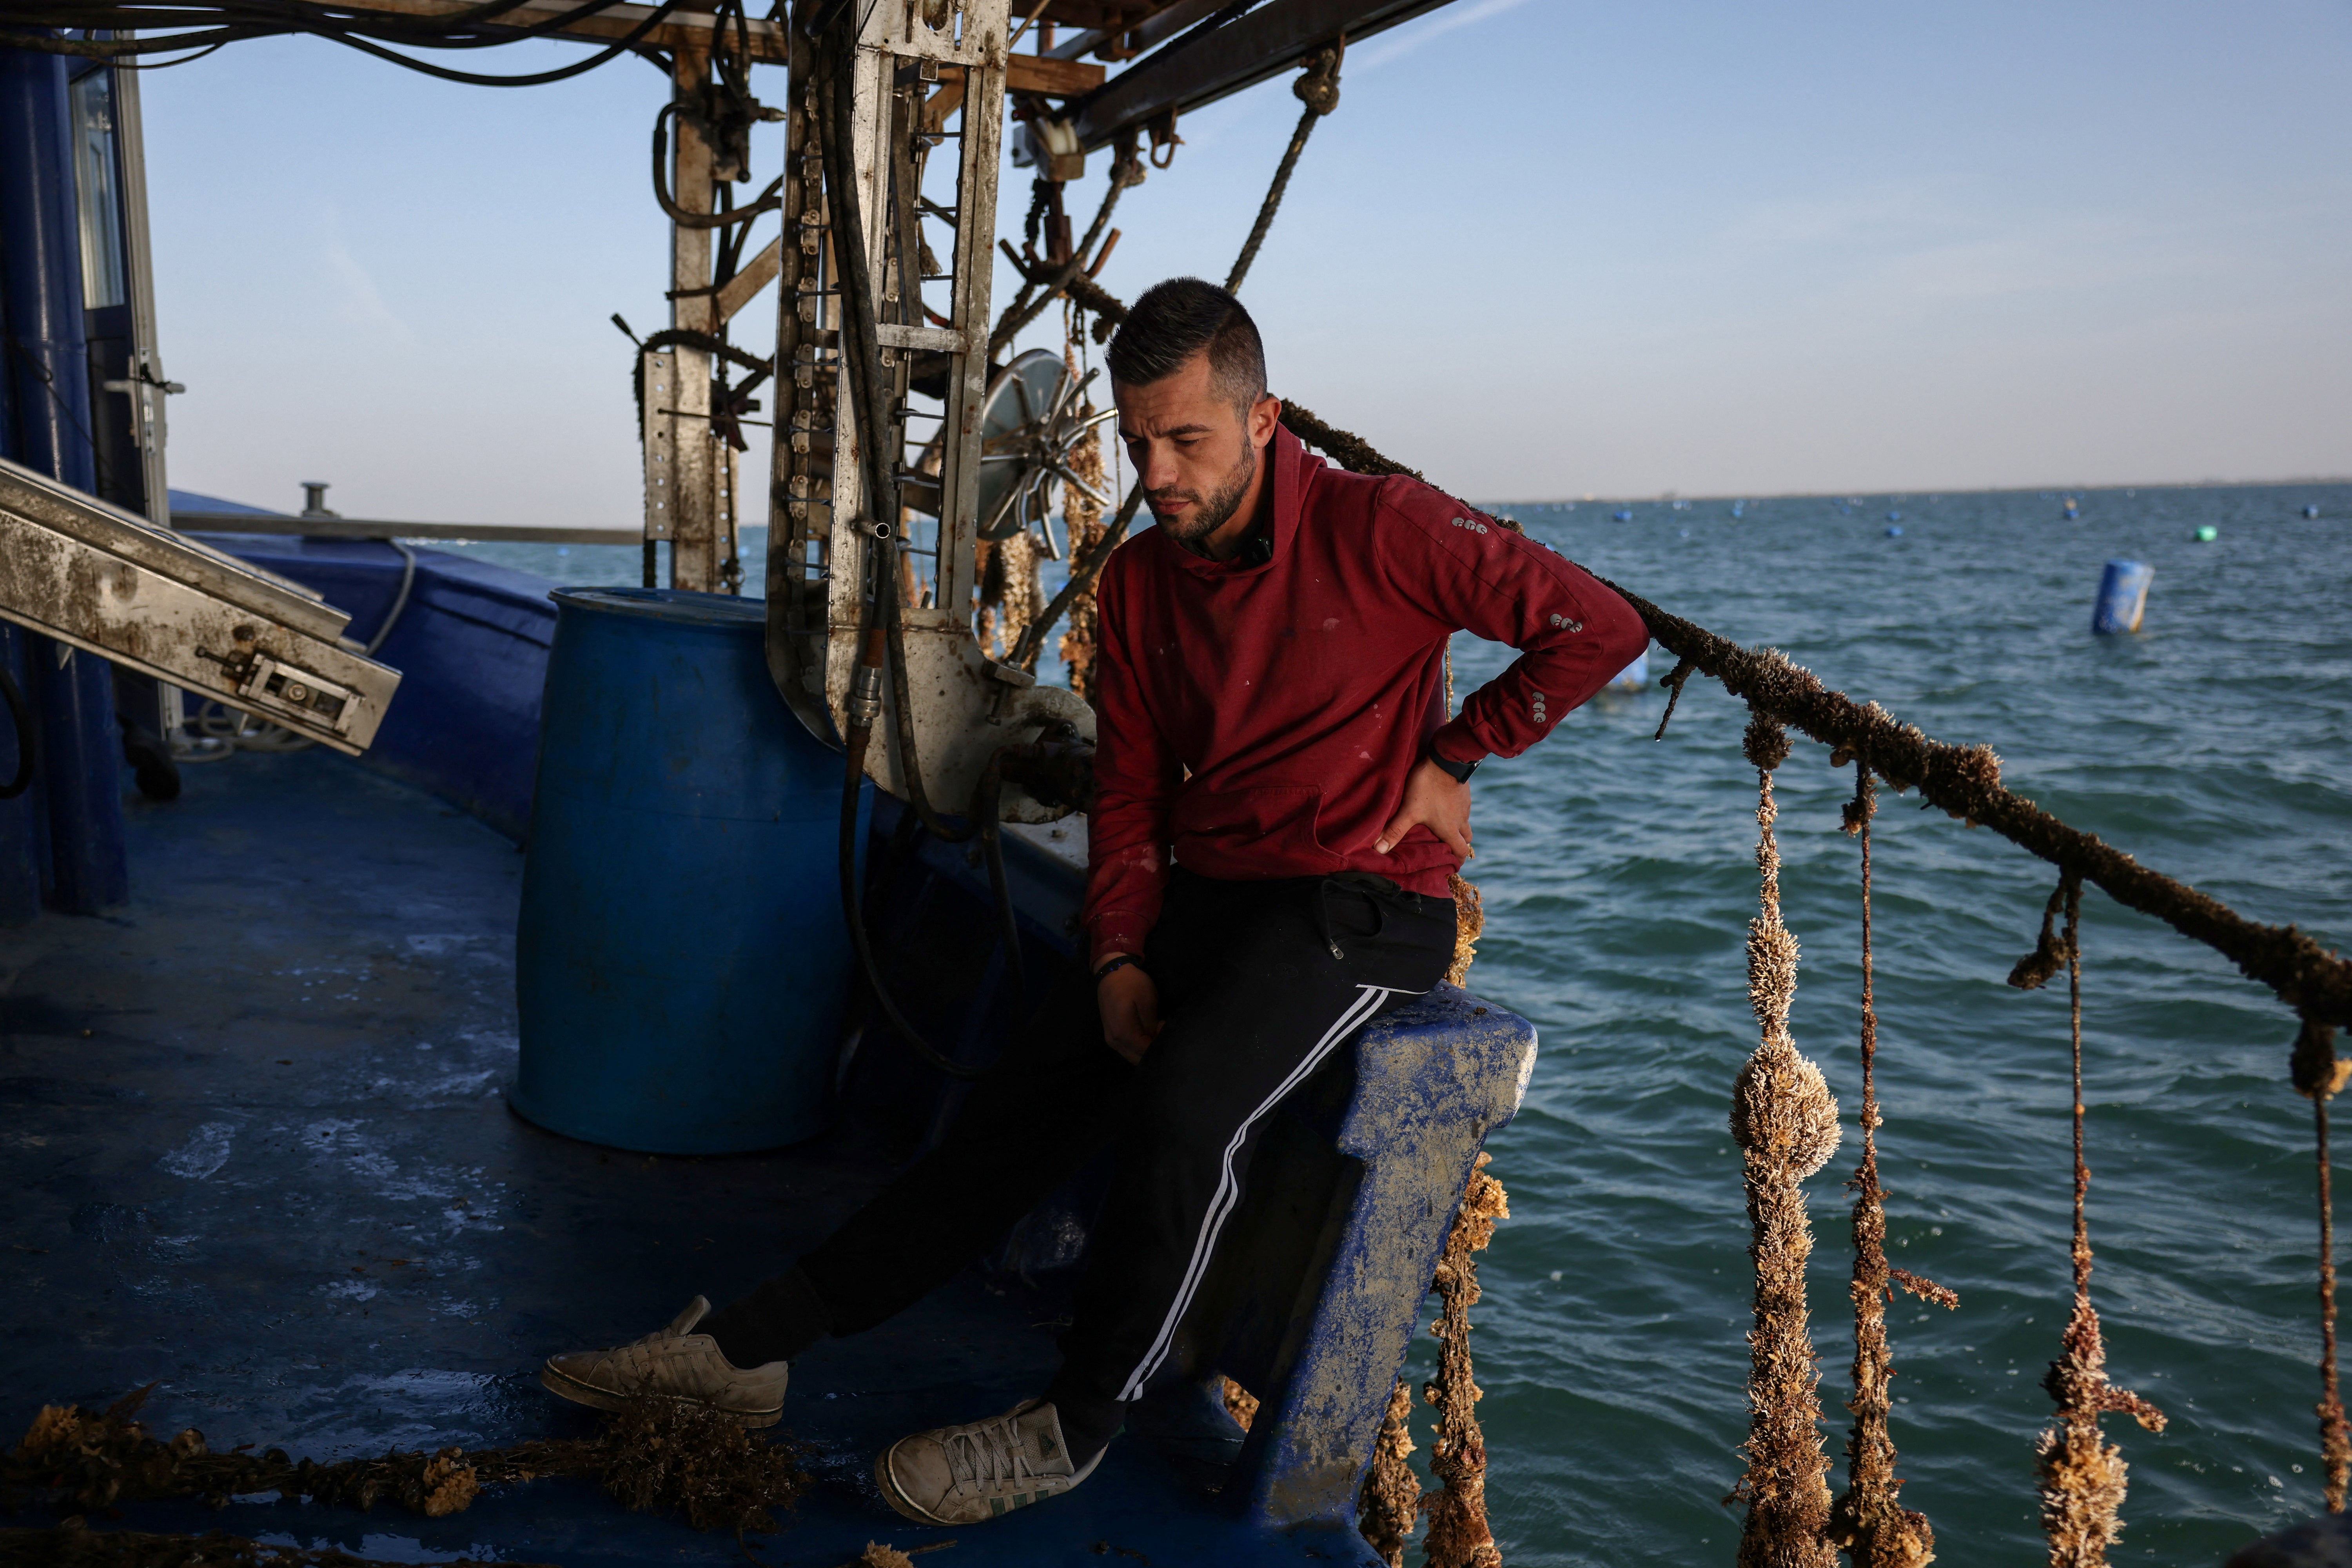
{"x":1791,"y":1520}
{"x":1867,"y":1523}
{"x":1786,"y":1124}
{"x":2081,"y":1474}
{"x":1783,"y":1118}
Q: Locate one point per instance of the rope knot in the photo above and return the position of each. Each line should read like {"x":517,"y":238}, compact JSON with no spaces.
{"x":1127,"y":162}
{"x":1318,"y":87}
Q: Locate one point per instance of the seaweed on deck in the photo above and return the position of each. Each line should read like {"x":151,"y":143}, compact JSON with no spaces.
{"x":657,"y":1454}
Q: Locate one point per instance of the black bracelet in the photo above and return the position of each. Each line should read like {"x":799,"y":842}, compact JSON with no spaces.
{"x":1459,"y":771}
{"x":1116,"y":964}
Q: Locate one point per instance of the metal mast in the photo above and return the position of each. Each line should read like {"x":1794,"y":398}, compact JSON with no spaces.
{"x":913,"y":66}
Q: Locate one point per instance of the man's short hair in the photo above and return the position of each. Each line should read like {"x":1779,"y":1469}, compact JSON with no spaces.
{"x":1173,"y":321}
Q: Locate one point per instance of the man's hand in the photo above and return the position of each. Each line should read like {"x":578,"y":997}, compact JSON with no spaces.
{"x":1433,"y":799}
{"x":1130,"y":1009}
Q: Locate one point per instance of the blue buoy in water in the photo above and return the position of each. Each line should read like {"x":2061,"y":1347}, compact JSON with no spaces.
{"x":1624,"y":514}
{"x":1894,"y":517}
{"x":1894,"y":531}
{"x":2208,"y":534}
{"x":2123,"y":596}
{"x":680,"y":964}
{"x":2311,"y":512}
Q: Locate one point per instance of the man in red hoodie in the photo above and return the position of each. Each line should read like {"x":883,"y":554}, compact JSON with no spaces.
{"x":1282,"y":802}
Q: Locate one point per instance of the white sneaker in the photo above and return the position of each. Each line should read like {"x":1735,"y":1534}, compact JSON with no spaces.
{"x":674,"y":1362}
{"x":965,"y":1475}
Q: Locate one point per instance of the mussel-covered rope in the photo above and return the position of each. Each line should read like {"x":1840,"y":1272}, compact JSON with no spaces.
{"x":658,"y":1454}
{"x":1868,"y":1522}
{"x":1786,"y":1124}
{"x":1964,"y":781}
{"x":1391,"y":1500}
{"x":2081,"y":1474}
{"x":2318,"y":1073}
{"x":1459,"y":1536}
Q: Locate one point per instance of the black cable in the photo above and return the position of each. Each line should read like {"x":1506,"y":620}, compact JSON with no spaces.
{"x":986,"y":810}
{"x":852,"y":911}
{"x":541,"y":78}
{"x":205,"y":52}
{"x":252,"y":20}
{"x":20,"y":713}
{"x":771,"y":200}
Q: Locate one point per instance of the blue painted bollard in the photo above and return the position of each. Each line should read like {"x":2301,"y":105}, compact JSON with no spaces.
{"x":681,"y":962}
{"x":1634,"y":676}
{"x":2123,"y":596}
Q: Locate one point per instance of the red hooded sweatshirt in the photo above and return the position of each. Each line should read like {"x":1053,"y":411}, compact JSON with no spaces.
{"x":1258,"y":717}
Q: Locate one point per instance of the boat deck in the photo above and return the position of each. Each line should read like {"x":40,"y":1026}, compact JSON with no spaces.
{"x":260,"y":1155}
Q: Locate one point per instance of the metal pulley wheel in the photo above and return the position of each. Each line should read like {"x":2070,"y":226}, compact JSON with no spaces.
{"x":1035,"y":413}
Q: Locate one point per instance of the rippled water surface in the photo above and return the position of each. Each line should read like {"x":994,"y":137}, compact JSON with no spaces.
{"x":1618,"y":879}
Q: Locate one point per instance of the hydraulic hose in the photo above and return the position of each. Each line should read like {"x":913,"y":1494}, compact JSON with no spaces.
{"x":770,"y":200}
{"x":985,"y":811}
{"x":399,"y":600}
{"x":20,"y":714}
{"x":865,"y":702}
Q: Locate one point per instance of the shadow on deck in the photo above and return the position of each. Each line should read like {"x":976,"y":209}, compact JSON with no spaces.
{"x":259,"y":1154}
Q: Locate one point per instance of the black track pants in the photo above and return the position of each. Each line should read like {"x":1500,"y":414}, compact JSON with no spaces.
{"x":1259,"y":983}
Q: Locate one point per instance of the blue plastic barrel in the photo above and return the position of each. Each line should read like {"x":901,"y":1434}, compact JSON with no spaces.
{"x":681,"y":963}
{"x":2123,"y":596}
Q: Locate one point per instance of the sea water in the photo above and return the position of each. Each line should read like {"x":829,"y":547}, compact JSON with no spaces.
{"x":1619,"y":876}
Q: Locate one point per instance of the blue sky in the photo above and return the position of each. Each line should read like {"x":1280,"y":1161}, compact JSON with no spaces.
{"x":1543,"y":249}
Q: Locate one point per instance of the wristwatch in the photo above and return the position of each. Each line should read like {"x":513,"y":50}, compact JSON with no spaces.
{"x":1459,"y":772}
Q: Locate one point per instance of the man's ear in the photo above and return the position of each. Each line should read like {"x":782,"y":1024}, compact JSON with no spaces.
{"x":1264,"y":415}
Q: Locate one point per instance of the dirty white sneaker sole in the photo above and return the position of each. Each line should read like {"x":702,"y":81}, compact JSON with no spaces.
{"x":976,"y":1498}
{"x":673,"y":1363}
{"x":557,"y":1383}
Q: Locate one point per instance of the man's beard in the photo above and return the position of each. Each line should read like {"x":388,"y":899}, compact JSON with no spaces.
{"x":1211,"y":514}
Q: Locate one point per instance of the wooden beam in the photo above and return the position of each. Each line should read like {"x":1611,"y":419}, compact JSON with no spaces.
{"x":689,"y":27}
{"x":1025,"y":73}
{"x":755,"y":275}
{"x":1043,"y":73}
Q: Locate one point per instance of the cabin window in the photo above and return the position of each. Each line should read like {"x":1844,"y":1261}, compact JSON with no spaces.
{"x":98,"y":186}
